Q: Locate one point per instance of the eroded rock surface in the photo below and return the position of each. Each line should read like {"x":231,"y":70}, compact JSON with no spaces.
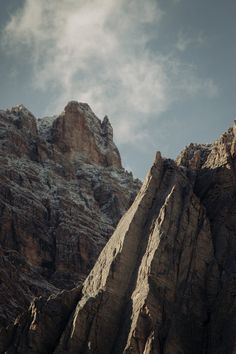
{"x":165,"y":281}
{"x":154,"y":268}
{"x":62,"y":192}
{"x":216,"y":188}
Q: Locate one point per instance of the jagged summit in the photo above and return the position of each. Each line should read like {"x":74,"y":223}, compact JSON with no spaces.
{"x":216,"y":154}
{"x":79,"y":134}
{"x":76,"y":134}
{"x":22,"y":118}
{"x":20,"y":110}
{"x":78,"y":129}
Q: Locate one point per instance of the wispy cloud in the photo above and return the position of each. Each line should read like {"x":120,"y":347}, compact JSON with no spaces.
{"x":97,"y":51}
{"x":184,"y":41}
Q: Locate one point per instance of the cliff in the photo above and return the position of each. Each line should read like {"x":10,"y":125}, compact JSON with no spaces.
{"x":62,"y":191}
{"x":165,"y":281}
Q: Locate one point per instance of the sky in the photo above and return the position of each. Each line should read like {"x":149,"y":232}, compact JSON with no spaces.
{"x":162,"y":70}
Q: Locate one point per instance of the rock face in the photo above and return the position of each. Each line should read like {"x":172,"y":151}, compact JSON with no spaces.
{"x":79,"y":132}
{"x":215,"y":186}
{"x":154,"y":268}
{"x":165,"y":281}
{"x":62,"y":192}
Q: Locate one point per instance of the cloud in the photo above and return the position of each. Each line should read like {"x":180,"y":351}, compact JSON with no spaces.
{"x":184,"y":41}
{"x":98,"y":51}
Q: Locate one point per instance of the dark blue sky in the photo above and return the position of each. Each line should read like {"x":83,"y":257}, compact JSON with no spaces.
{"x":163,"y":71}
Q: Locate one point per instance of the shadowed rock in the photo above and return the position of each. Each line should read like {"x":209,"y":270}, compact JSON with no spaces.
{"x":62,"y":192}
{"x":139,"y":296}
{"x":151,"y":284}
{"x":165,"y":281}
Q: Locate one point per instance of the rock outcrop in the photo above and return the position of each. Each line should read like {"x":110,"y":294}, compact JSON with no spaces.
{"x":215,"y":186}
{"x":150,"y":283}
{"x":165,"y":281}
{"x":62,"y":192}
{"x":79,"y":132}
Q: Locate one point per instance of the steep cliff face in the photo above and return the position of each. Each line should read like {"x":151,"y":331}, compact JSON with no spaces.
{"x":78,"y":132}
{"x":150,"y":283}
{"x":62,"y":192}
{"x":151,"y":288}
{"x":165,"y":281}
{"x":215,"y":185}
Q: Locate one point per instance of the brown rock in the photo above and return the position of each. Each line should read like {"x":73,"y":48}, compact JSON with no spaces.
{"x":44,"y":317}
{"x":165,"y":281}
{"x":77,"y":131}
{"x":215,"y":186}
{"x":58,"y":207}
{"x":139,"y":296}
{"x":149,"y":290}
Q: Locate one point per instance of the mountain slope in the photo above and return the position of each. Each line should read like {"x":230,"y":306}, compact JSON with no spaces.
{"x":160,"y":254}
{"x":63,"y":190}
{"x":165,"y":281}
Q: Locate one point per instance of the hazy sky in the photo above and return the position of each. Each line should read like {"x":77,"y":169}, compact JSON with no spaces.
{"x":162,"y":70}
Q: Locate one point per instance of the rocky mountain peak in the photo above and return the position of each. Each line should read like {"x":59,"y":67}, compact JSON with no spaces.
{"x":217,"y":154}
{"x":165,"y":281}
{"x":23,"y":119}
{"x":62,"y":192}
{"x":73,"y":107}
{"x":78,"y":133}
{"x":194,"y":155}
{"x":20,"y":110}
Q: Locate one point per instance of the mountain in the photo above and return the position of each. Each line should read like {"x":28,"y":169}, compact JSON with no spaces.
{"x":62,"y":191}
{"x":165,"y":281}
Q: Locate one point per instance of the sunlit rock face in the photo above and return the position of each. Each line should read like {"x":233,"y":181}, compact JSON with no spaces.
{"x":78,"y":132}
{"x":62,"y":192}
{"x":165,"y":281}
